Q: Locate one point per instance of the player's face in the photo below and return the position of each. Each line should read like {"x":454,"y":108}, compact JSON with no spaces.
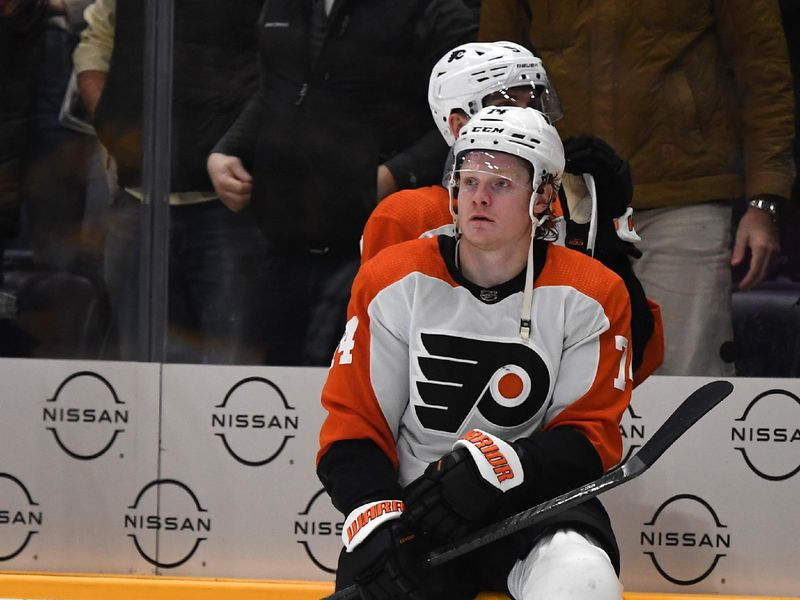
{"x":494,"y":190}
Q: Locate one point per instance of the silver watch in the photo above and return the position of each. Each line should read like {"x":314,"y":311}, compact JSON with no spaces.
{"x":768,"y":206}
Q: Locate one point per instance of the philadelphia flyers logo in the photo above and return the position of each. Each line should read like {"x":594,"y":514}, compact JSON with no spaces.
{"x":456,"y":55}
{"x":506,"y":382}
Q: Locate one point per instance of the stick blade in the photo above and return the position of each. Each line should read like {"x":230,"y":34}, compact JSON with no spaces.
{"x":687,"y":414}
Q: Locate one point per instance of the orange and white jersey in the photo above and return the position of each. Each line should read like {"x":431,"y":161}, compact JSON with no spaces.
{"x":427,"y":355}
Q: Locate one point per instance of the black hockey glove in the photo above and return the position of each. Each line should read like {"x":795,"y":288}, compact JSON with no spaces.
{"x":614,"y":186}
{"x":459,"y":492}
{"x":383,"y":556}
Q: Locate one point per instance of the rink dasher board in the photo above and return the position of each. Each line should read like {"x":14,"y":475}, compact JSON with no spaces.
{"x":208,"y":471}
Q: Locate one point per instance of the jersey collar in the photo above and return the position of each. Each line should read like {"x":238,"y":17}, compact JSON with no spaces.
{"x":447,"y":248}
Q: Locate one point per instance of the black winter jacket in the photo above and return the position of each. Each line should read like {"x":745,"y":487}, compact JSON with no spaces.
{"x":214,"y":73}
{"x":21,"y":53}
{"x":339,"y":96}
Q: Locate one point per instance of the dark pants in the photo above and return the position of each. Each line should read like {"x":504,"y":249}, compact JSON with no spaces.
{"x":216,"y":283}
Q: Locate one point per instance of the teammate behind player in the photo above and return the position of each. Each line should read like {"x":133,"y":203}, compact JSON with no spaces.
{"x":475,"y":75}
{"x":464,"y":80}
{"x":495,"y":338}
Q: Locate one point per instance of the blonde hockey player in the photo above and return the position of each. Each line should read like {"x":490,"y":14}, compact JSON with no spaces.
{"x":480,"y":375}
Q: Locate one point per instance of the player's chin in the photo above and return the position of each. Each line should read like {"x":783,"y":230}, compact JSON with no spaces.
{"x":482,"y":241}
{"x":479,"y":228}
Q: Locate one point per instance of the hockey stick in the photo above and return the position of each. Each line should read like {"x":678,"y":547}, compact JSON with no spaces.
{"x":687,"y":414}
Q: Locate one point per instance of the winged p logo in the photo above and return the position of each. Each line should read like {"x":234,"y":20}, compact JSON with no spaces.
{"x":506,"y":382}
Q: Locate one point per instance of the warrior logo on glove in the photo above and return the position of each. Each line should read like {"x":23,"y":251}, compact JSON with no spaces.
{"x":508,"y":383}
{"x":497,"y":461}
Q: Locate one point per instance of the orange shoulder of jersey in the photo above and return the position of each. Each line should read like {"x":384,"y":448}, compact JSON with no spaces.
{"x":581,"y":276}
{"x":348,"y":395}
{"x":403,"y":216}
{"x":580,"y":271}
{"x":598,"y":412}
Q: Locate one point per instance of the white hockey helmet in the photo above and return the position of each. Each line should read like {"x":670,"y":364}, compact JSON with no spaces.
{"x":522,"y":132}
{"x":527,"y":134}
{"x":466,"y":75}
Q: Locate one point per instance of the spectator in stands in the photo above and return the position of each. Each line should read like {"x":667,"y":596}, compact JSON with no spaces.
{"x":57,"y":185}
{"x":214,"y":254}
{"x":21,"y":47}
{"x":698,"y":98}
{"x":340,"y":121}
{"x":35,"y":39}
{"x":790,"y":242}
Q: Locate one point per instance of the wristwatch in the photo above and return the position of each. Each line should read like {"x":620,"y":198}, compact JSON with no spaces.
{"x":766,"y":204}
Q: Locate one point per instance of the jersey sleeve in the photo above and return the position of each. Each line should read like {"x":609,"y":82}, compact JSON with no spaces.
{"x":594,"y":383}
{"x":357,"y":459}
{"x":371,"y":360}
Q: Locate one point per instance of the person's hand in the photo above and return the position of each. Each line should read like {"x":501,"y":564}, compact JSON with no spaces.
{"x":758,"y":232}
{"x":386,"y":183}
{"x":459,"y":491}
{"x":386,"y":560}
{"x":612,"y":175}
{"x":614,"y":187}
{"x":230,"y":179}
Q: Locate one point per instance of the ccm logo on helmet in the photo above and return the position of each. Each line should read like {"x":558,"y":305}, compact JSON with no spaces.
{"x":488,"y":129}
{"x":496,"y":459}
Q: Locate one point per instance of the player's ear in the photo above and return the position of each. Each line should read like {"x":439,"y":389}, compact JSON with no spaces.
{"x":457,"y":120}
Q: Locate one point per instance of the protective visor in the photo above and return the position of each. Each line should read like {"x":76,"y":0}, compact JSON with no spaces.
{"x":539,"y":95}
{"x":499,"y":173}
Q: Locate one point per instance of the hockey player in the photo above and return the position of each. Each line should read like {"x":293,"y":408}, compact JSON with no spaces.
{"x":475,"y":75}
{"x":480,"y":375}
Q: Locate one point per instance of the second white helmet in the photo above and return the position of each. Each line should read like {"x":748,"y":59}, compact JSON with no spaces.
{"x":466,"y":75}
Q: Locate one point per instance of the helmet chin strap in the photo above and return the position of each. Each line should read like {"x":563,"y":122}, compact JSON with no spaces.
{"x":527,"y":297}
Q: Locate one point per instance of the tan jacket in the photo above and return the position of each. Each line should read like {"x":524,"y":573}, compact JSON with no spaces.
{"x":697,"y":95}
